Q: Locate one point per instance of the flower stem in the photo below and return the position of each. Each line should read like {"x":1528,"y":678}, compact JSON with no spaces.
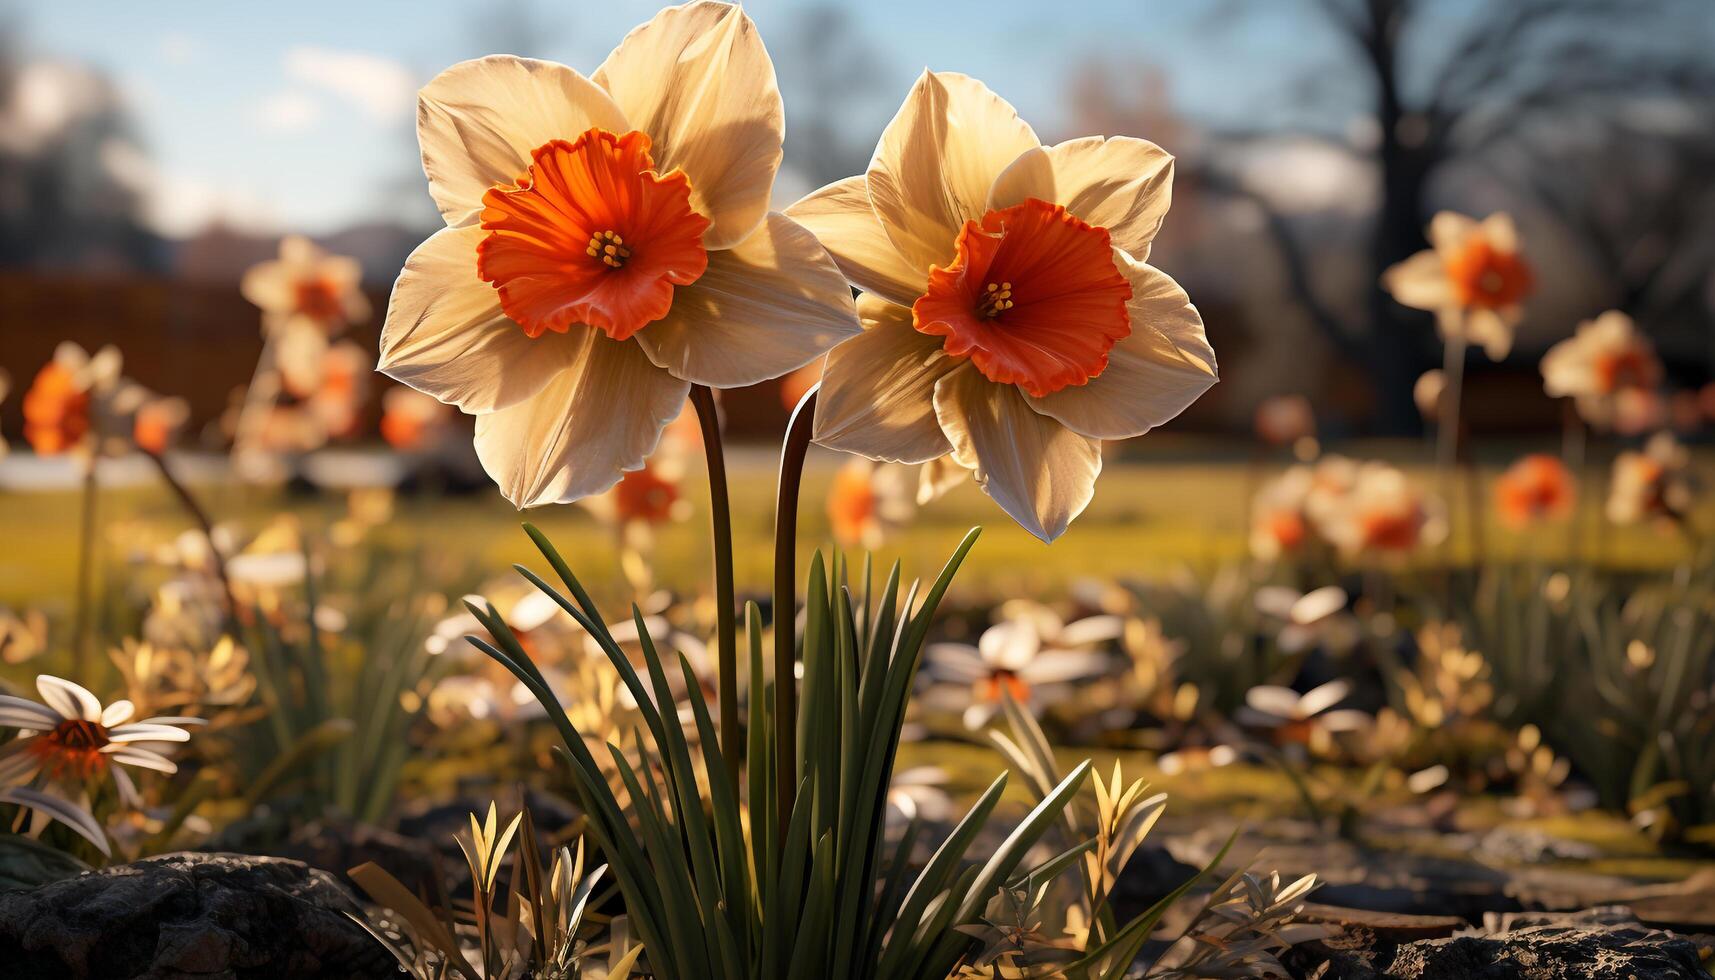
{"x":1574,"y":447}
{"x":1447,"y":431}
{"x":792,"y":453}
{"x":726,"y":625}
{"x":85,"y":573}
{"x":198,"y":514}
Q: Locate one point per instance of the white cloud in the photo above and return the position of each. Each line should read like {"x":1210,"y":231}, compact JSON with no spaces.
{"x":179,"y":206}
{"x":381,"y":87}
{"x":1304,"y":175}
{"x":290,"y":111}
{"x":47,"y":97}
{"x":178,"y":48}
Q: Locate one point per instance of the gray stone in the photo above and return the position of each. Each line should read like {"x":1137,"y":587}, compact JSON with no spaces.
{"x":1598,"y":944}
{"x":1552,"y":953}
{"x":183,"y":916}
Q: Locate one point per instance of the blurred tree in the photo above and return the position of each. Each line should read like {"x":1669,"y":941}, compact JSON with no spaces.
{"x":1494,"y":83}
{"x":70,"y":194}
{"x":834,"y":74}
{"x":1636,"y":190}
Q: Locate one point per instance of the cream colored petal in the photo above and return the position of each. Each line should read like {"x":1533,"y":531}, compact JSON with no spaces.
{"x":1499,"y":229}
{"x":938,"y":476}
{"x":771,"y":305}
{"x":1122,"y":184}
{"x":1419,"y":282}
{"x":446,"y":337}
{"x":1152,"y":375}
{"x":269,"y":286}
{"x":478,"y":121}
{"x":1566,"y":370}
{"x":592,"y":422}
{"x":840,"y":215}
{"x":878,"y":389}
{"x":342,"y":270}
{"x":1449,"y":229}
{"x":1037,"y":470}
{"x":697,"y":79}
{"x":298,"y":252}
{"x":1490,"y":330}
{"x":937,"y":161}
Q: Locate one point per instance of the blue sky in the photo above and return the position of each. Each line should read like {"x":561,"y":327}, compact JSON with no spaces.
{"x":297,"y":115}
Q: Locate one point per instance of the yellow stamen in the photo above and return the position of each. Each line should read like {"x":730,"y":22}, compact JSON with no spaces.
{"x":610,"y":248}
{"x":997,"y":299}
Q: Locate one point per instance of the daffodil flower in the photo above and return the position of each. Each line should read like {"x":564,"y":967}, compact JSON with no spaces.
{"x":867,"y":500}
{"x":1602,"y":363}
{"x":608,"y":244}
{"x":307,"y":285}
{"x":1537,"y":488}
{"x":1379,"y":513}
{"x":1010,"y":318}
{"x":1654,"y":483}
{"x":68,"y":407}
{"x":1474,"y":279}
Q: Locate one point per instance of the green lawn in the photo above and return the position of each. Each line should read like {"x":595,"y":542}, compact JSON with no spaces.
{"x":1149,"y":516}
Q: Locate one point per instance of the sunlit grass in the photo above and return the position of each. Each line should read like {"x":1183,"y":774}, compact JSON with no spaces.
{"x":1148,"y":518}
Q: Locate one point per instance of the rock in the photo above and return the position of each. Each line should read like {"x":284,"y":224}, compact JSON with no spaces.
{"x":184,"y":916}
{"x":1552,"y":953}
{"x":1390,"y":926}
{"x":1597,"y":944}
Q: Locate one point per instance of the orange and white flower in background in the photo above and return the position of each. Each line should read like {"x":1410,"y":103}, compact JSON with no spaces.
{"x":1010,"y":319}
{"x":156,"y":421}
{"x":340,"y":389}
{"x":1639,"y":410}
{"x":1537,"y":488}
{"x":307,"y":285}
{"x":1281,"y":524}
{"x":647,"y":499}
{"x":867,"y":500}
{"x":412,"y":421}
{"x":64,"y":406}
{"x":608,"y":244}
{"x":1332,"y":479}
{"x":1652,"y":484}
{"x":1381,"y":514}
{"x":1605,"y":367}
{"x":1474,"y":279}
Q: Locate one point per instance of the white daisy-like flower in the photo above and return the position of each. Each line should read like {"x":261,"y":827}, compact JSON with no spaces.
{"x":1309,"y":719}
{"x":1031,"y":657}
{"x":69,"y":736}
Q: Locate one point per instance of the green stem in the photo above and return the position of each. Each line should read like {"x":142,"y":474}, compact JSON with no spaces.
{"x":201,"y":517}
{"x":85,"y":574}
{"x":1447,"y":430}
{"x":1573,"y":449}
{"x":726,"y":625}
{"x":792,"y":453}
